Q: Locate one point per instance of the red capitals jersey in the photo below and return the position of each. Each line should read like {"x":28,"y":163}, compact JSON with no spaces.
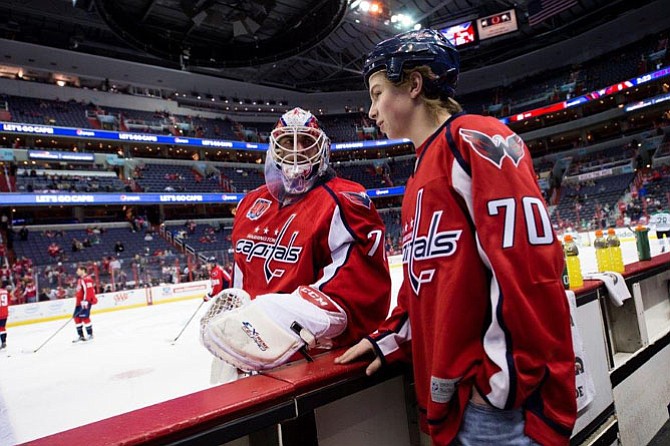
{"x":219,"y":279}
{"x":4,"y":303}
{"x":482,"y":285}
{"x":331,"y":239}
{"x":85,"y":290}
{"x":30,"y":290}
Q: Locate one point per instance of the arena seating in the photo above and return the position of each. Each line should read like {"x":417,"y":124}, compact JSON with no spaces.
{"x":545,"y":88}
{"x":46,"y":112}
{"x":67,"y":181}
{"x":36,"y":247}
{"x":176,"y":178}
{"x":241,"y":180}
{"x":608,"y":158}
{"x":342,"y":127}
{"x":206,"y":238}
{"x":601,"y":192}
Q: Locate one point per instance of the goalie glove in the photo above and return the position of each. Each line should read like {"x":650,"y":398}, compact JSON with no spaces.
{"x":268,"y":331}
{"x":226,"y":300}
{"x":84,"y":304}
{"x":207,"y":297}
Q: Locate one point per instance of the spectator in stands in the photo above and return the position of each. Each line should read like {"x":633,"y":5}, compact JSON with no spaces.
{"x":4,"y":221}
{"x":114,"y":266}
{"x":121,"y":280}
{"x":54,"y":250}
{"x":44,"y":295}
{"x":190,"y":226}
{"x":30,"y":292}
{"x":10,"y":240}
{"x":492,"y":363}
{"x":76,"y":245}
{"x":17,"y":297}
{"x":5,"y":274}
{"x":23,"y":233}
{"x":17,"y":269}
{"x":119,"y":247}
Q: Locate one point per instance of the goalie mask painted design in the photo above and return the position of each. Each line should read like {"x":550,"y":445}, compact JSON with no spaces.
{"x":298,"y":154}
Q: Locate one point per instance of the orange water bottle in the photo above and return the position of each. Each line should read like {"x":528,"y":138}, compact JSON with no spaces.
{"x":572,"y":263}
{"x":614,"y":247}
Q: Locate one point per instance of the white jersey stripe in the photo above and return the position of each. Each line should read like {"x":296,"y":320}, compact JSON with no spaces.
{"x":239,"y":277}
{"x":495,"y":344}
{"x":340,"y":243}
{"x":391,"y":342}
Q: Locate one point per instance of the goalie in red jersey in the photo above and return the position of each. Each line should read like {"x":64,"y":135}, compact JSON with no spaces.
{"x":482,"y":312}
{"x":309,"y":264}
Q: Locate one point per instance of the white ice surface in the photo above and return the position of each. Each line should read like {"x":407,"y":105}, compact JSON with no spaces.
{"x":130,"y":364}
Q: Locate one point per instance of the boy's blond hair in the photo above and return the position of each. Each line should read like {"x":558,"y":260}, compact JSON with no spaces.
{"x":433,"y":103}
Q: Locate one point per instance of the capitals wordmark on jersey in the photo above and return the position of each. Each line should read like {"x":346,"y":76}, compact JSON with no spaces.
{"x":417,"y":247}
{"x":271,"y":249}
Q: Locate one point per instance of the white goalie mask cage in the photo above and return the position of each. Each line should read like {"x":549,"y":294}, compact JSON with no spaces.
{"x":298,"y":154}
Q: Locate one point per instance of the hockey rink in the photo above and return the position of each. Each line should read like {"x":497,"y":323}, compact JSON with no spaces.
{"x":130,"y":364}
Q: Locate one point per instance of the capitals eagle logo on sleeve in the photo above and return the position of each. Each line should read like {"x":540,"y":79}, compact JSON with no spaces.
{"x":494,"y":149}
{"x":359,"y":198}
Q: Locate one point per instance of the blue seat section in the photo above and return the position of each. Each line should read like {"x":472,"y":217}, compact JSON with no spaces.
{"x":36,"y":247}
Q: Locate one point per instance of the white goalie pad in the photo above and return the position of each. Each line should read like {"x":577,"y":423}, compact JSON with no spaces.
{"x":258,"y":336}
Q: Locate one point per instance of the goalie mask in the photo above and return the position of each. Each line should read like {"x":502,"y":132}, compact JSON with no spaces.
{"x":298,"y":154}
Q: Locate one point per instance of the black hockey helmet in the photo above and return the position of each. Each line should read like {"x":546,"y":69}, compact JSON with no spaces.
{"x":211,"y":260}
{"x":413,"y":49}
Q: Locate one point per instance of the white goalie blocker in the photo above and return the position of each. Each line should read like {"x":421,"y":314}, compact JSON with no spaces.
{"x":264,"y":333}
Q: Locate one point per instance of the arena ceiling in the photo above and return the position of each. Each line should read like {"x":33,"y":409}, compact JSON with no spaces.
{"x":300,"y":45}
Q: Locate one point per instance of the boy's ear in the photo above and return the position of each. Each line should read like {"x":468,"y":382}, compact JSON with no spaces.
{"x":415,"y":84}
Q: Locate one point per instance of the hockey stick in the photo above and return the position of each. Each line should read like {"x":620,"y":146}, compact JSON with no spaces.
{"x":51,"y":337}
{"x":188,"y":321}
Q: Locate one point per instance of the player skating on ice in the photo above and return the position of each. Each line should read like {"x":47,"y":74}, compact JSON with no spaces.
{"x":482,"y":300}
{"x":660,"y":222}
{"x":4,"y":313}
{"x":309,"y":263}
{"x":218,"y":277}
{"x":85,"y":298}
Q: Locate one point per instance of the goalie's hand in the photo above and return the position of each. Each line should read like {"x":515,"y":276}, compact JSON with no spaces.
{"x":364,"y":347}
{"x":207,"y":297}
{"x":84,"y":304}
